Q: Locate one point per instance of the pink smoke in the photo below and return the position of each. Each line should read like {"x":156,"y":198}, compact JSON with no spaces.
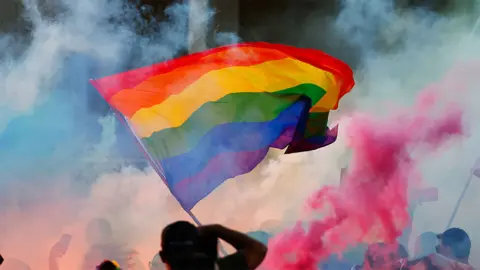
{"x":371,"y":205}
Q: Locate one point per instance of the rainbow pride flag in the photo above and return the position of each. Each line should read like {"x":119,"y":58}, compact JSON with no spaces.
{"x":213,"y":115}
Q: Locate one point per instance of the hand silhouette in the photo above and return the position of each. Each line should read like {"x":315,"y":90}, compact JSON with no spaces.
{"x":60,"y":248}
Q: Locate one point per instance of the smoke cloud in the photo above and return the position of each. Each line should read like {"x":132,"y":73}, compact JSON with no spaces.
{"x":65,"y":160}
{"x":61,"y":149}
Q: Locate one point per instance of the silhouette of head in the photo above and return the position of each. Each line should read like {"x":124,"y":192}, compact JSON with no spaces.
{"x":99,"y":231}
{"x":425,"y":244}
{"x":108,"y":265}
{"x":182,"y":248}
{"x":455,"y":244}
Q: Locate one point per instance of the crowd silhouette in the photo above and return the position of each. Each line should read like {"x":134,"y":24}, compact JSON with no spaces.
{"x":185,"y":246}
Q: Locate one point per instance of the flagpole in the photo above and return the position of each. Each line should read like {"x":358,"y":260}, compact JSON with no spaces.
{"x":159,"y":172}
{"x":152,"y":163}
{"x":459,"y":202}
{"x":194,"y":218}
{"x":465,"y":188}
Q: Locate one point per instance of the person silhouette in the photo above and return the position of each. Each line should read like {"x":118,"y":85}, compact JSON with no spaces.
{"x":103,"y":246}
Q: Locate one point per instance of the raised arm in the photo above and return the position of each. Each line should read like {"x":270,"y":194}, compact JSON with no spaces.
{"x":253,"y":251}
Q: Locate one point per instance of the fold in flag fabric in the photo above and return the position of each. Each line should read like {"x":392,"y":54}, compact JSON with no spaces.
{"x":213,"y":115}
